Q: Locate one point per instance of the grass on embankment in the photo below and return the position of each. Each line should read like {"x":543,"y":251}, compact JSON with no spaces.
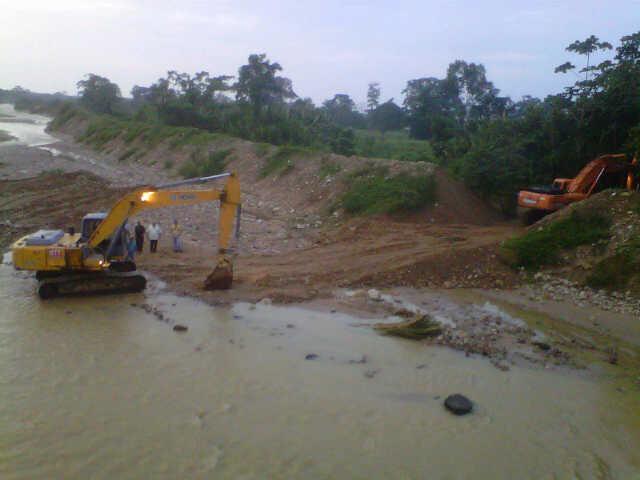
{"x":281,"y":161}
{"x":543,"y":246}
{"x":374,"y":191}
{"x":394,"y":145}
{"x":618,"y":271}
{"x":203,"y":164}
{"x":370,"y":190}
{"x":102,"y":129}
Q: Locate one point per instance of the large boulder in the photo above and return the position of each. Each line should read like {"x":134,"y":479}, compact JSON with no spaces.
{"x":458,"y":404}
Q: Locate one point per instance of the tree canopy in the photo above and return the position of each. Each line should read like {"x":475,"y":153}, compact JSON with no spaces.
{"x":98,"y":93}
{"x":495,"y":144}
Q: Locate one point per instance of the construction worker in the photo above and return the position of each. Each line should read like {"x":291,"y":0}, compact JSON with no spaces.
{"x":139,"y":231}
{"x":154,"y":232}
{"x":130,"y":245}
{"x":176,"y":233}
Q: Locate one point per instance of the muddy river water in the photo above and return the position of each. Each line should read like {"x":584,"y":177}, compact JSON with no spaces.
{"x":101,"y":388}
{"x":26,"y":128}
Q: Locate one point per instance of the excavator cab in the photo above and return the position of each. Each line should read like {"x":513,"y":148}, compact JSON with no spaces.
{"x":89,"y":223}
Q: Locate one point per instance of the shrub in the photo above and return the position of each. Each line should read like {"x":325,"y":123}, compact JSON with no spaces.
{"x":261,"y":149}
{"x":377,"y":193}
{"x":281,"y":160}
{"x":542,"y":246}
{"x":201,"y":165}
{"x":615,"y":272}
{"x":127,"y":154}
{"x":329,"y":169}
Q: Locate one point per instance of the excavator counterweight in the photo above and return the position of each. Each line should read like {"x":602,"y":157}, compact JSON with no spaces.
{"x":94,"y":260}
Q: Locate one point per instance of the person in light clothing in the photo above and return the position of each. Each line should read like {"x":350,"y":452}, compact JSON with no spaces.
{"x":154,"y":232}
{"x":176,"y":233}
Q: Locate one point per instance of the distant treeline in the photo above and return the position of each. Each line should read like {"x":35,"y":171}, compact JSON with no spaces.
{"x":495,"y":144}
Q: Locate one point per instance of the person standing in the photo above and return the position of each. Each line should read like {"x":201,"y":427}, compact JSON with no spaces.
{"x":139,"y":231}
{"x":130,"y":246}
{"x":154,"y":235}
{"x":176,"y":233}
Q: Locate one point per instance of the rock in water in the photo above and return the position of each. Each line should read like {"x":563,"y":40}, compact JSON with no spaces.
{"x":458,"y":404}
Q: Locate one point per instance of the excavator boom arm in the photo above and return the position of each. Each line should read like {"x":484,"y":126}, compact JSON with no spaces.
{"x":158,"y":197}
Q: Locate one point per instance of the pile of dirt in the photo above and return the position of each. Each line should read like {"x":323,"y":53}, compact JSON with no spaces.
{"x":51,"y":200}
{"x":457,"y":204}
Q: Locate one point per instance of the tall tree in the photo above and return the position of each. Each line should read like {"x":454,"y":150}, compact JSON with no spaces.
{"x":373,"y":96}
{"x":387,"y":117}
{"x":98,"y":93}
{"x":585,"y":47}
{"x":430,"y":104}
{"x":477,"y":95}
{"x":259,"y":85}
{"x":341,"y":110}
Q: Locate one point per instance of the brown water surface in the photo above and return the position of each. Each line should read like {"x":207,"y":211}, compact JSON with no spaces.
{"x":98,"y":388}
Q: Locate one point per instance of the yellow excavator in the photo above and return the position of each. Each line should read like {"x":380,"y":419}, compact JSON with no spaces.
{"x":94,"y":260}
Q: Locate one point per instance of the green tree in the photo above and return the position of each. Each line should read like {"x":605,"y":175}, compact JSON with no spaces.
{"x":585,"y":47}
{"x":373,"y":96}
{"x":98,"y":93}
{"x":259,"y":85}
{"x":431,"y":104}
{"x":341,"y":110}
{"x":478,"y":98}
{"x":387,"y":117}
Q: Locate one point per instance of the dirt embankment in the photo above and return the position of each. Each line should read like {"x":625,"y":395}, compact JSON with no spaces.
{"x":50,"y":200}
{"x":293,"y":246}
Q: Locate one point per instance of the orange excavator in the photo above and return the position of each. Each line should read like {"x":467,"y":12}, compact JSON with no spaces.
{"x":606,"y":171}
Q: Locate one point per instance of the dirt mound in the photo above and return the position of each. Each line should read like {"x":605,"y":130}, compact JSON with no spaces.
{"x":302,"y":184}
{"x":51,"y":200}
{"x":455,"y":203}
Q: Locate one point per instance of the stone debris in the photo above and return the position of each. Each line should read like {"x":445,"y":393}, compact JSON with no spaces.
{"x":549,"y":287}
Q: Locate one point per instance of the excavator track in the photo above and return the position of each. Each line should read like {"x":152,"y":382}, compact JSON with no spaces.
{"x":91,"y":283}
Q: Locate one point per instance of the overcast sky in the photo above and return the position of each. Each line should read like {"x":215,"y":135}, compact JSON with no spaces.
{"x":325,"y":47}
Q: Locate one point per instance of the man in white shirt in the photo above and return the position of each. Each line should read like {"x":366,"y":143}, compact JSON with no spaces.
{"x":154,"y":231}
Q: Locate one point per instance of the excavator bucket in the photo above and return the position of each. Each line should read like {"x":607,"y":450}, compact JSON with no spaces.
{"x":222,"y":276}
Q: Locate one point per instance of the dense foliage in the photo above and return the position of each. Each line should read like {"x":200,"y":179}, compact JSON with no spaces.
{"x":495,"y":144}
{"x":510,"y":145}
{"x":374,"y":191}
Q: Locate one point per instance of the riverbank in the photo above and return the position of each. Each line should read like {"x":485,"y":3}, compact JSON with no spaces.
{"x":327,"y":261}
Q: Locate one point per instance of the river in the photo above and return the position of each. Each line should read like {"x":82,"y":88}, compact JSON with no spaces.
{"x":27,"y":128}
{"x":103,"y":388}
{"x":98,"y":388}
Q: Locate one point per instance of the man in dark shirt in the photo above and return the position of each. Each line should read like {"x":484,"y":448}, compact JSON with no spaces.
{"x":139,"y":231}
